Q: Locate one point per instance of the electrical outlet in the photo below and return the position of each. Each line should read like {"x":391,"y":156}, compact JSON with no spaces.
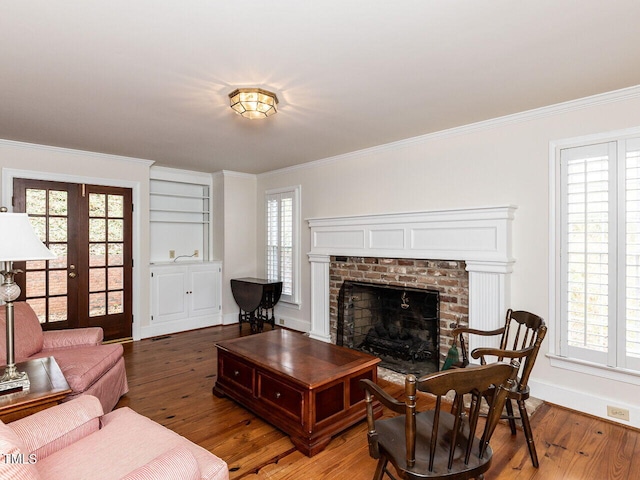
{"x":172,"y":254}
{"x":281,"y":321}
{"x":196,"y":253}
{"x":617,"y":412}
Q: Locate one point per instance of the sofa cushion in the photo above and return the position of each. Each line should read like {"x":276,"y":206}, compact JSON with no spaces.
{"x":27,"y":332}
{"x":108,"y":388}
{"x":178,"y":463}
{"x":82,"y":366}
{"x":15,"y":462}
{"x":72,"y":338}
{"x":53,"y":429}
{"x":137,"y":439}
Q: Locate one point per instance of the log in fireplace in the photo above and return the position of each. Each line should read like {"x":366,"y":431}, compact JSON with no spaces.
{"x":398,"y":324}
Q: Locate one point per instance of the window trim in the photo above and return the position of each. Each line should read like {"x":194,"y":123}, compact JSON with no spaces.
{"x":296,"y":191}
{"x":557,"y":357}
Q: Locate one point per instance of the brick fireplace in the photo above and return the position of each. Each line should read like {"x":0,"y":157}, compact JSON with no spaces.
{"x":449,"y":278}
{"x":387,"y":246}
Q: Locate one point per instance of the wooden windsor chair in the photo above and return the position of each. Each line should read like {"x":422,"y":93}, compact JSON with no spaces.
{"x":436,"y":443}
{"x":520,"y":339}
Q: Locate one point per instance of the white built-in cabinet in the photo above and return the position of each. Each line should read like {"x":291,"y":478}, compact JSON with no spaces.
{"x":185,"y":296}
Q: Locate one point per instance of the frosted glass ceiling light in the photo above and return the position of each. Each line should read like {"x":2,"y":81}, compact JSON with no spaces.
{"x":253,"y":103}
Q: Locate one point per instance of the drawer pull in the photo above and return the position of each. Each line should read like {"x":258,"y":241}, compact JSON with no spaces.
{"x":278,"y":394}
{"x":236,"y":373}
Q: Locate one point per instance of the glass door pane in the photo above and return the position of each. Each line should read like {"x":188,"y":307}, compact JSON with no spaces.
{"x":46,"y":282}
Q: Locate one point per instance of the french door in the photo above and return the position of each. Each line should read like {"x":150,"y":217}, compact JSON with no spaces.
{"x":88,"y":228}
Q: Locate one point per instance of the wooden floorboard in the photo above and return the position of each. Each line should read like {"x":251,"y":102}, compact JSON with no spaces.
{"x":170,"y":381}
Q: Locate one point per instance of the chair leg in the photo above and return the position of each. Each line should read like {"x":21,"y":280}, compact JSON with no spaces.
{"x":510,"y":417}
{"x":382,"y":464}
{"x":528,"y":433}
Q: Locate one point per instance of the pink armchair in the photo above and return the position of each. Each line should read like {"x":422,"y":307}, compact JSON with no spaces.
{"x":75,"y":440}
{"x":89,"y":367}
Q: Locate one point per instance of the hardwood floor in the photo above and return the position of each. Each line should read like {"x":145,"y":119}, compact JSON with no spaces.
{"x":170,"y":381}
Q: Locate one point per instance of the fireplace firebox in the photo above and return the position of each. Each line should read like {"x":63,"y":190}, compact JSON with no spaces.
{"x":400,"y":325}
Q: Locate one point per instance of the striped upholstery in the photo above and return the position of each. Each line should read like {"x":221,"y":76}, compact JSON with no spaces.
{"x":15,"y":462}
{"x":69,"y":445}
{"x":176,"y":464}
{"x":55,"y":429}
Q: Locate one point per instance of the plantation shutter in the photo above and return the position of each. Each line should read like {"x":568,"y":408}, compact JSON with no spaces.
{"x":600,"y":253}
{"x":280,"y":241}
{"x":631,"y":256}
{"x":587,"y":251}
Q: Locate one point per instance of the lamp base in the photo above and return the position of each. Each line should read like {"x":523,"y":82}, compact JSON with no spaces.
{"x":13,"y":381}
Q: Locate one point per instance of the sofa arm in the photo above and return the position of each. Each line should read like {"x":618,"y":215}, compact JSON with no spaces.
{"x":75,"y":337}
{"x":178,"y":462}
{"x":50,"y":430}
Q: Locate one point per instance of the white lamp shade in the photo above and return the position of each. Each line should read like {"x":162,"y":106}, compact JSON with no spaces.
{"x":18,"y":240}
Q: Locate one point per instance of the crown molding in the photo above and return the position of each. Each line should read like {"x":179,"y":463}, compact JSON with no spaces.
{"x":231,"y":173}
{"x":84,"y":153}
{"x":512,"y":119}
{"x":179,"y":175}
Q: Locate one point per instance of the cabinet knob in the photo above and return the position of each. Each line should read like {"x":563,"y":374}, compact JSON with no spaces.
{"x":278,"y":394}
{"x":236,"y":373}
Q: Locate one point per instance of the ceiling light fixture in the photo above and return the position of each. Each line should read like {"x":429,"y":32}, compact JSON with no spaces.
{"x":253,"y":103}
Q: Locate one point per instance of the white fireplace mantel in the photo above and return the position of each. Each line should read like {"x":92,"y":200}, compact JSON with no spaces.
{"x":481,"y":237}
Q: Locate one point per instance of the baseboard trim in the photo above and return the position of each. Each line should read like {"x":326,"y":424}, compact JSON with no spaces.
{"x":583,"y":402}
{"x":181,"y":325}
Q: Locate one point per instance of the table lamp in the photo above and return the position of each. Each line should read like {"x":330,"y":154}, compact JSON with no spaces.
{"x":18,"y":242}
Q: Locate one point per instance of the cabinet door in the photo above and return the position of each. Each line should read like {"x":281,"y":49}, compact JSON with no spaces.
{"x":169,"y":288}
{"x":204,"y":288}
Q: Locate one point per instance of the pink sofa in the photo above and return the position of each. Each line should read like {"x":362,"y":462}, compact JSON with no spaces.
{"x":75,"y":440}
{"x":89,"y":367}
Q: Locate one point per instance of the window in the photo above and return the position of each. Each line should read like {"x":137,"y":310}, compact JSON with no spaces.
{"x":282,"y":210}
{"x":599,"y":252}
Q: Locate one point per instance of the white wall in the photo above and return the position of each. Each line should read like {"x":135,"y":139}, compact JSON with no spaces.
{"x":501,"y":162}
{"x":49,"y":163}
{"x":240,"y":244}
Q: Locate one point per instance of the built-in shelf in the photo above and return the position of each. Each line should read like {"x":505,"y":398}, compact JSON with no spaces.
{"x":172,"y":202}
{"x":175,"y":195}
{"x":179,"y":213}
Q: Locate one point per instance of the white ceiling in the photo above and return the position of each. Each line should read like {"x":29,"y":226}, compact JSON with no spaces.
{"x":150,"y":78}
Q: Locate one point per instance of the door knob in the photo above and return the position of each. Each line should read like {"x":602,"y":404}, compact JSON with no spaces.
{"x":73,"y":274}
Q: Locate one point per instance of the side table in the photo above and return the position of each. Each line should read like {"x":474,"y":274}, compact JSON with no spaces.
{"x":48,"y":388}
{"x":256,"y":298}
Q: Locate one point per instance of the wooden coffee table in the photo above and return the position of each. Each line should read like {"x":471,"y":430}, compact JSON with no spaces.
{"x":48,"y":388}
{"x":306,"y":388}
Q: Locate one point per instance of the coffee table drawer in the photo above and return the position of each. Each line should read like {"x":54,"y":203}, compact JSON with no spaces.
{"x":238,"y":372}
{"x":280,"y":395}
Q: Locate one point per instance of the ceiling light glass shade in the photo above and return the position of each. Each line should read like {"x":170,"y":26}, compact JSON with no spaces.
{"x":18,"y":240}
{"x":253,"y":103}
